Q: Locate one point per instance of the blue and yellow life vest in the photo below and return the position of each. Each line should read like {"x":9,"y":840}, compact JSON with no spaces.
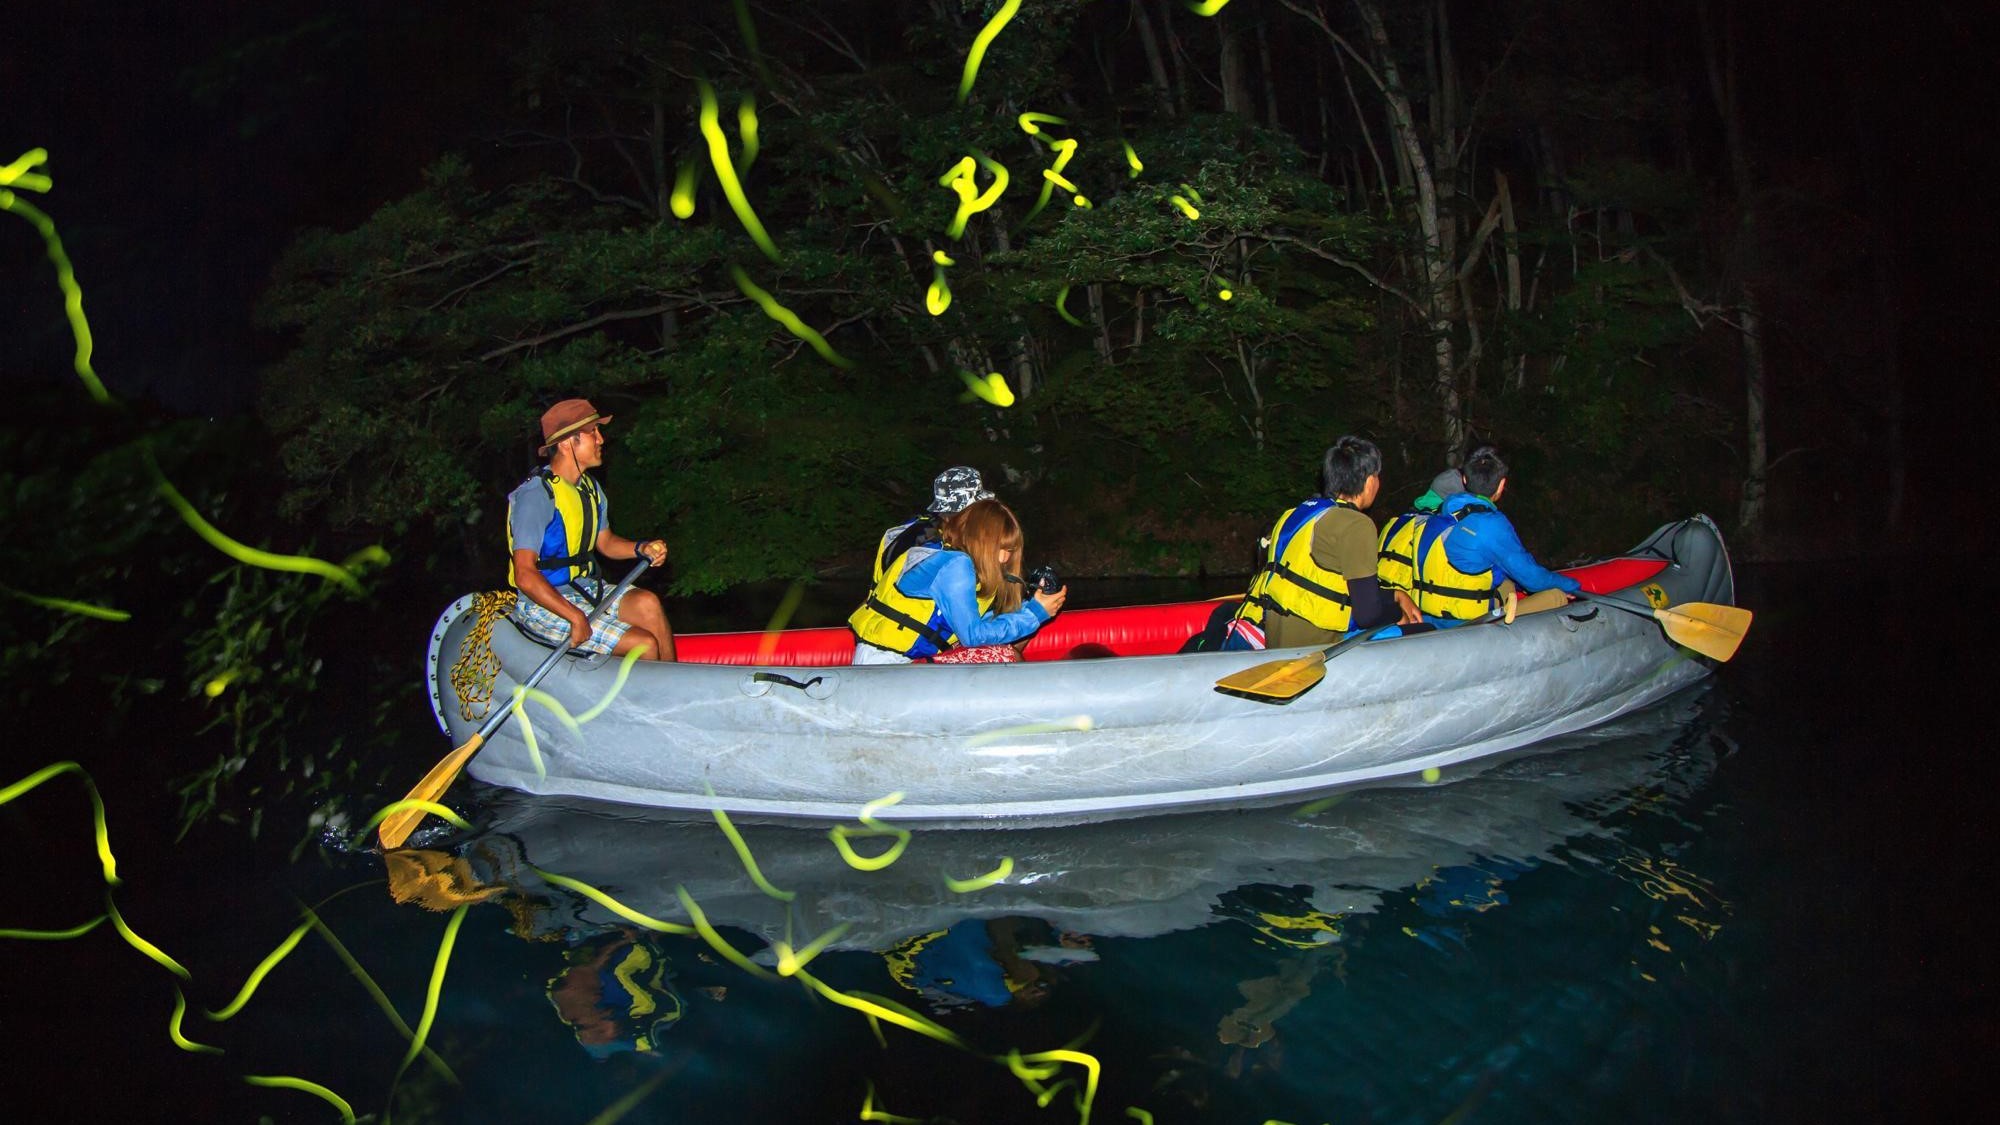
{"x":1396,"y":551}
{"x":1443,"y":590}
{"x":569,"y":543}
{"x":902,"y":622}
{"x":1291,"y":582}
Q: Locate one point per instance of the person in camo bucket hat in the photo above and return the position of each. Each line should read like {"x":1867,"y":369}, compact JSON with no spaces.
{"x":954,"y":490}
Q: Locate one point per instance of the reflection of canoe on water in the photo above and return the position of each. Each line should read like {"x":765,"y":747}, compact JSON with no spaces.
{"x":1125,"y":878}
{"x":777,"y":724}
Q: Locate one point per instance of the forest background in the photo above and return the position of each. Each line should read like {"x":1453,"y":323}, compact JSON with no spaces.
{"x":1671,"y":257}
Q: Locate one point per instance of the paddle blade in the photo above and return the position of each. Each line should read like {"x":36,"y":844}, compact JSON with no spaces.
{"x":1711,"y":630}
{"x":398,"y":826}
{"x":1276,"y":681}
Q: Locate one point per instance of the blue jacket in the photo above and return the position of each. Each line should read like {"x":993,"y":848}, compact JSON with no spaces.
{"x":1487,"y":541}
{"x":949,"y":579}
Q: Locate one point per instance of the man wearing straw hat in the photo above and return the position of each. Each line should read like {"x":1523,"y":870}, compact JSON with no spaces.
{"x":558,"y":522}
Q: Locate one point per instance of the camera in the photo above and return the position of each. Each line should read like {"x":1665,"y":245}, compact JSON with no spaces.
{"x":1045,"y":579}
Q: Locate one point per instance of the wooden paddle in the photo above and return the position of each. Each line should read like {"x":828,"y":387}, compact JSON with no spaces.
{"x":1281,"y":681}
{"x":1710,"y":629}
{"x":398,"y":825}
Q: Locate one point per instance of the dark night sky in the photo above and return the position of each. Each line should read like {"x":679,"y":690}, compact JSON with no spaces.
{"x":174,"y":210}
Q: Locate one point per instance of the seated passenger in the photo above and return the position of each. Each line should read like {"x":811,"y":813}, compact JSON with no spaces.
{"x":1469,"y":551}
{"x":950,"y":493}
{"x":959,"y":593}
{"x":1318,"y":579}
{"x":1395,"y":558}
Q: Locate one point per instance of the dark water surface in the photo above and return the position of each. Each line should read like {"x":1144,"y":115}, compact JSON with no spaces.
{"x":1754,"y":903}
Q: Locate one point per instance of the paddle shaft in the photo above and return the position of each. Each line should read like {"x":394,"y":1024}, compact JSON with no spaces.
{"x":397,"y":828}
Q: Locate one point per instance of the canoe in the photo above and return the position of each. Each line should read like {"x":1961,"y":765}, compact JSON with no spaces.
{"x":1132,"y":878}
{"x":1105,"y":718}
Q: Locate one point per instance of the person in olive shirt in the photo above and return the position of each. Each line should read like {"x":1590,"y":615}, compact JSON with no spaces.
{"x":1314,"y":595}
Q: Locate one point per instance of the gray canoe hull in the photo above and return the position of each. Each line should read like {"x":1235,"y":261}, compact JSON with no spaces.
{"x":1044,"y":742}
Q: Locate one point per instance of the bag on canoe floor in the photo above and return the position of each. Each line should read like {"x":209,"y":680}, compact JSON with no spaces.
{"x":981,"y":654}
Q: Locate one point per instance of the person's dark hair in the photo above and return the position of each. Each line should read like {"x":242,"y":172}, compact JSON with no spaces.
{"x":1348,"y":465}
{"x":1484,"y":471}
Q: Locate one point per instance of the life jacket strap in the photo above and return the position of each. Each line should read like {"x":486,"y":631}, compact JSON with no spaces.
{"x":920,"y":628}
{"x":1297,"y":579}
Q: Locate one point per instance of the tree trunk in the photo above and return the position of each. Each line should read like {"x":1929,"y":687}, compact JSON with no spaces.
{"x":1236,"y":99}
{"x":1440,"y":282}
{"x":1719,"y":51}
{"x":1156,"y":63}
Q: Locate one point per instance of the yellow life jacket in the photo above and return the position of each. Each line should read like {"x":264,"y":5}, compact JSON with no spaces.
{"x":1291,"y":581}
{"x":903,"y":622}
{"x":1396,"y":551}
{"x":1443,"y":590}
{"x":569,"y":543}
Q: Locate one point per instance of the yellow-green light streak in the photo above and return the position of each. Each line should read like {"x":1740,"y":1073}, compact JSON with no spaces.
{"x":937,"y":297}
{"x":780,"y":617}
{"x":681,"y":202}
{"x":746,"y":127}
{"x":174,"y":1029}
{"x":788,"y":318}
{"x":981,"y":882}
{"x":72,"y":292}
{"x":21,"y":173}
{"x":840,"y":833}
{"x":141,"y":944}
{"x":55,"y":935}
{"x":1065,"y":149}
{"x":1132,"y":158}
{"x":1139,"y":1115}
{"x":1063,"y":311}
{"x":749,"y":861}
{"x":431,"y":994}
{"x":297,"y":564}
{"x":960,"y":179}
{"x":612,"y":904}
{"x":287,"y":1082}
{"x":729,"y":952}
{"x":263,"y":968}
{"x":431,"y":807}
{"x":374,"y":991}
{"x":1053,"y":726}
{"x":65,"y":605}
{"x":725,"y":173}
{"x":1031,"y":123}
{"x":1088,"y":1063}
{"x":790,"y":961}
{"x":618,"y":1109}
{"x":982,"y":41}
{"x":528,"y":739}
{"x":993,"y":388}
{"x":870,"y":1113}
{"x":1206,"y":7}
{"x":1186,"y":208}
{"x":625,"y":663}
{"x":883,"y":1009}
{"x":104,"y":856}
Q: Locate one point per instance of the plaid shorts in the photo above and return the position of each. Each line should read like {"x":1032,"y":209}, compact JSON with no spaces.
{"x":552,"y":630}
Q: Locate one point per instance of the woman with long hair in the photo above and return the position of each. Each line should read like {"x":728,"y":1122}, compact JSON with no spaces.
{"x":960,"y":594}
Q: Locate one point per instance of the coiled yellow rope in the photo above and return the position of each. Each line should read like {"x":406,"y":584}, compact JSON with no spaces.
{"x":472,"y":677}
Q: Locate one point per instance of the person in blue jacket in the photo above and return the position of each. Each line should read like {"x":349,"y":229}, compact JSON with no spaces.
{"x":1469,"y":550}
{"x":963,"y":592}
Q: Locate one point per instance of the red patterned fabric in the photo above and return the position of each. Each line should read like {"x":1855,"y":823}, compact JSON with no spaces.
{"x":983,"y":654}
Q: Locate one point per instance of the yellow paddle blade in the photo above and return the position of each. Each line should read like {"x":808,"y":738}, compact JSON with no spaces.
{"x":1711,"y":630}
{"x":1541,"y":602}
{"x":1280,"y":681}
{"x":397,"y":826}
